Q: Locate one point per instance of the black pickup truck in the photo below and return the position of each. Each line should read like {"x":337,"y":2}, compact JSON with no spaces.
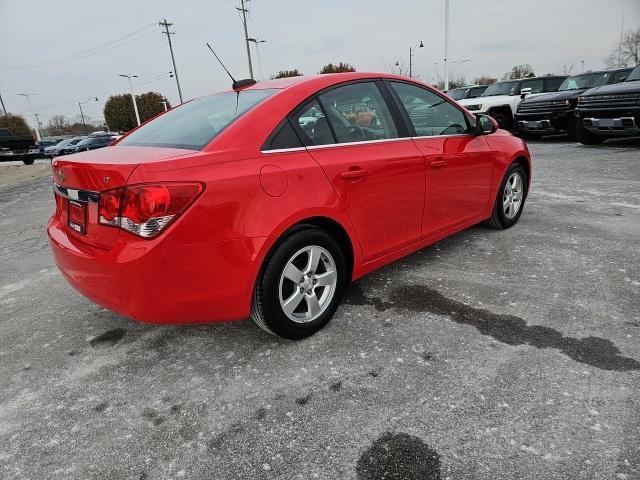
{"x":552,"y":113}
{"x":17,"y":147}
{"x":610,"y":111}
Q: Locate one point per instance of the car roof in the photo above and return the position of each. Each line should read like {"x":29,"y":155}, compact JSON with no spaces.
{"x":324,"y":80}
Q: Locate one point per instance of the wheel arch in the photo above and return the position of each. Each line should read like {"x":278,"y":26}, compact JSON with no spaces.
{"x":524,"y":162}
{"x":505,"y":109}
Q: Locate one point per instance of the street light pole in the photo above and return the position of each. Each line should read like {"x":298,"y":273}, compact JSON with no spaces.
{"x":129,"y":76}
{"x":446,"y":45}
{"x":4,"y":109}
{"x":28,"y":97}
{"x":411,"y":49}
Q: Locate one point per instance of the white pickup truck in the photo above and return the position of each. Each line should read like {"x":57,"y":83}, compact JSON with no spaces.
{"x":501,"y":99}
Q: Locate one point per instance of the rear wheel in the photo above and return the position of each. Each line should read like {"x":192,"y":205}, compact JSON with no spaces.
{"x":510,"y":200}
{"x":300,"y":285}
{"x":585,"y":137}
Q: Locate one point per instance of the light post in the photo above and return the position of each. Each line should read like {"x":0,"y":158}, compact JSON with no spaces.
{"x":582,"y":61}
{"x":446,"y":45}
{"x":257,"y":42}
{"x":82,"y":113}
{"x":411,"y":49}
{"x":129,"y":76}
{"x":28,"y":97}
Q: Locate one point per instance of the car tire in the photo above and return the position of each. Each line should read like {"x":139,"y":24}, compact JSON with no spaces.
{"x":503,"y":120}
{"x":28,"y":161}
{"x":585,"y":137}
{"x":293,"y":299}
{"x":502,"y":217}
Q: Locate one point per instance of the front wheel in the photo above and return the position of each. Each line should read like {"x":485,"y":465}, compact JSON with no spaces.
{"x":504,"y":121}
{"x":28,"y":161}
{"x":300,"y":285}
{"x":585,"y":137}
{"x":510,"y":200}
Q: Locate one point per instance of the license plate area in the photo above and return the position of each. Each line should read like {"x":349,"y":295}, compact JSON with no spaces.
{"x":77,"y":216}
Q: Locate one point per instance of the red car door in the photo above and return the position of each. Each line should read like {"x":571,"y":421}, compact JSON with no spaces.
{"x":458,"y":162}
{"x":378,"y":176}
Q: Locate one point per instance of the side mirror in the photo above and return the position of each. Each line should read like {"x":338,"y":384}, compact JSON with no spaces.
{"x":485,"y":124}
{"x":524,"y":92}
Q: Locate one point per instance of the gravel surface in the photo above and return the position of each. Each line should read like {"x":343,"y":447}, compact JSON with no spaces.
{"x":490,"y":355}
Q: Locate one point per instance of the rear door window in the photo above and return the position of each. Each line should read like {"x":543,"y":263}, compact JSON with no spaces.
{"x":358,"y":112}
{"x":313,"y":126}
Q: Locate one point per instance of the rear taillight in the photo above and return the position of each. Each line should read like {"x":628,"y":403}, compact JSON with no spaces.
{"x":145,"y":210}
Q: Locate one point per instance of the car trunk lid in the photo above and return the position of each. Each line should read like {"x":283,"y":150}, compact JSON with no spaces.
{"x":79,"y":179}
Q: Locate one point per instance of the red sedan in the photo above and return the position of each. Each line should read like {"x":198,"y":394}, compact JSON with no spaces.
{"x":266,"y":201}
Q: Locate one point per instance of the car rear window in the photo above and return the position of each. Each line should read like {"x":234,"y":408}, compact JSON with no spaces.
{"x":194,"y":124}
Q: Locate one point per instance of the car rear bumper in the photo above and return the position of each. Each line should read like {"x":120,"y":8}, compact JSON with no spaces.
{"x":164,"y":280}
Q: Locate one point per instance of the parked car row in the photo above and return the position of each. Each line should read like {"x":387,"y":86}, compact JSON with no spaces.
{"x":589,"y":107}
{"x":68,"y":146}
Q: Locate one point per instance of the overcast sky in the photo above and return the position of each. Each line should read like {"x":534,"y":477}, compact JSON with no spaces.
{"x":370,"y":34}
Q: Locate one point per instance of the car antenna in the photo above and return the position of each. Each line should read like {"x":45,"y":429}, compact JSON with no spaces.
{"x":237,"y":84}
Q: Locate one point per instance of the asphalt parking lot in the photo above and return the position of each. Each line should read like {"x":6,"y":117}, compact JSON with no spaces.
{"x":490,"y":355}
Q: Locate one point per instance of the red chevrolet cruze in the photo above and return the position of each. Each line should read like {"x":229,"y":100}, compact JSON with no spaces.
{"x":267,"y":200}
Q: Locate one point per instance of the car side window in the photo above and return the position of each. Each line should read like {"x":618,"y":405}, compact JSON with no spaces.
{"x":283,"y":137}
{"x":429,"y":113}
{"x":553,"y":84}
{"x":536,"y":85}
{"x":358,"y":112}
{"x":314,"y":128}
{"x":620,"y":76}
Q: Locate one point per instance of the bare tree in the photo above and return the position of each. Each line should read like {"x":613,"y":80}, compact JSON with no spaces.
{"x":627,"y":52}
{"x":519,"y":71}
{"x":484,"y":80}
{"x":58,"y":125}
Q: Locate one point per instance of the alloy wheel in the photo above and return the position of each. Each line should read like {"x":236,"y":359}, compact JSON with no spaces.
{"x":512,"y":195}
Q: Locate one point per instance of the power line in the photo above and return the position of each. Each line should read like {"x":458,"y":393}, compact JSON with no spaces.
{"x":84,"y":54}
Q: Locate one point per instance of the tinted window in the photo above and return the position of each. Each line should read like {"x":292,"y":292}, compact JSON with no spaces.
{"x":476,"y":92}
{"x":633,"y":76}
{"x":283,"y":137}
{"x":429,"y":113}
{"x":358,"y":112}
{"x":553,"y":84}
{"x":194,"y":124}
{"x":458,"y":93}
{"x":536,"y":85}
{"x":588,"y":80}
{"x":502,"y":88}
{"x":314,"y":127}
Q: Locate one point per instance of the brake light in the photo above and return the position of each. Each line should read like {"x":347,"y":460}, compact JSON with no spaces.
{"x":145,"y":210}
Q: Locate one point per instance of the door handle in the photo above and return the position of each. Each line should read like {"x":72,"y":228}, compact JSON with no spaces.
{"x":439,"y":163}
{"x":353,"y":174}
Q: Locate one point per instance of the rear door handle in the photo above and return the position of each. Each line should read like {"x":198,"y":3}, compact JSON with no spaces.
{"x":354,"y":174}
{"x":439,"y":163}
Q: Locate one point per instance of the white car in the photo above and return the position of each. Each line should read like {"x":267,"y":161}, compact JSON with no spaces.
{"x":501,"y":99}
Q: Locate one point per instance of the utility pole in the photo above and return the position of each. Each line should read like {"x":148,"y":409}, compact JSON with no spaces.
{"x":4,"y":109}
{"x":84,"y":124}
{"x":245,"y":11}
{"x":133,"y":97}
{"x":446,"y":44}
{"x":257,"y":42}
{"x":28,"y":97}
{"x":166,"y":26}
{"x":165,"y":105}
